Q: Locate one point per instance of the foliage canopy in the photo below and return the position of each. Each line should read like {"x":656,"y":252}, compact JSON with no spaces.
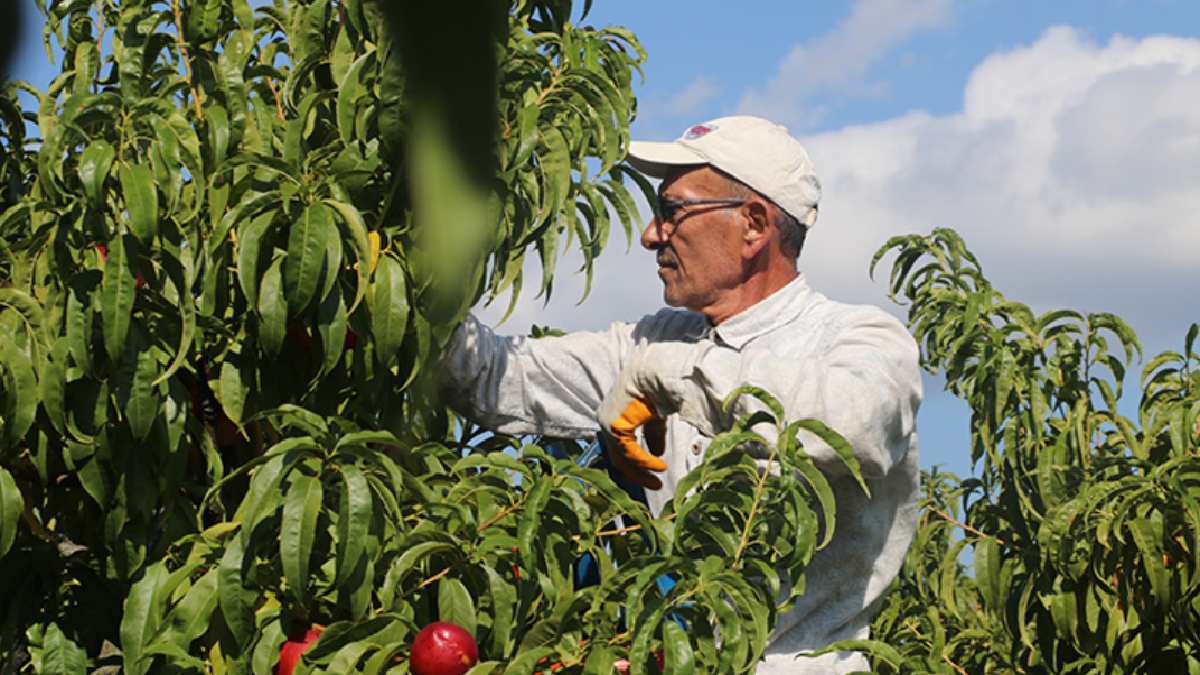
{"x":230,"y":261}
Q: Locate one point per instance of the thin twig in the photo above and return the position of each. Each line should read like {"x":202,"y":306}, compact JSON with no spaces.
{"x":500,"y":515}
{"x":618,"y":532}
{"x":433,"y":578}
{"x":275,"y":94}
{"x":954,"y":665}
{"x":631,"y":528}
{"x":187,"y":60}
{"x":945,"y":516}
{"x":99,"y":42}
{"x":758,"y":495}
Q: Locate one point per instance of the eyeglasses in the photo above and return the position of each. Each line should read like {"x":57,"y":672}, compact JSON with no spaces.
{"x":668,"y":208}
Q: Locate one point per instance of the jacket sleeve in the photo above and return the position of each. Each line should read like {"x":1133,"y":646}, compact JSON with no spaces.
{"x":864,"y":383}
{"x":518,"y":385}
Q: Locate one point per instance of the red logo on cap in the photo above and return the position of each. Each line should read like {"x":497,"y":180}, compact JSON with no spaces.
{"x":698,"y":131}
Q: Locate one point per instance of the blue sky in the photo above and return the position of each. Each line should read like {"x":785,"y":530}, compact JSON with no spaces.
{"x":1060,"y":138}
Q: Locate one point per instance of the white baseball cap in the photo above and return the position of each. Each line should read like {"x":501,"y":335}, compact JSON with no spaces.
{"x":758,"y":152}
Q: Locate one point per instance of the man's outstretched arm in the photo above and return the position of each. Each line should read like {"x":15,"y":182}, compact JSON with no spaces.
{"x":519,"y":385}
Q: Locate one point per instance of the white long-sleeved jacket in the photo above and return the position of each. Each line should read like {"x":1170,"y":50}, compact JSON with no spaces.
{"x":853,"y":367}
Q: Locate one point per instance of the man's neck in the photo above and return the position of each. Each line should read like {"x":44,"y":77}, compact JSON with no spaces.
{"x":758,"y":287}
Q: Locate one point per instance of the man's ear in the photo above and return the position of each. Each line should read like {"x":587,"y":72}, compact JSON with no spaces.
{"x":757,"y":230}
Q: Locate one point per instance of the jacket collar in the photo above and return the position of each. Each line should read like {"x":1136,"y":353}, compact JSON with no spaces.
{"x":780,"y":308}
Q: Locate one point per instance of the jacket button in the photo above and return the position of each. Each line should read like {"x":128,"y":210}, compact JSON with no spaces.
{"x":696,"y":448}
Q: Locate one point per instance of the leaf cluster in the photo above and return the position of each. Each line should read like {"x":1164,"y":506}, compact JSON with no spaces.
{"x":229,"y":262}
{"x":1082,"y":524}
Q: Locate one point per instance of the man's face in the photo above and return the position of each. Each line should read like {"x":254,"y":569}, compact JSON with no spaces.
{"x":699,"y":251}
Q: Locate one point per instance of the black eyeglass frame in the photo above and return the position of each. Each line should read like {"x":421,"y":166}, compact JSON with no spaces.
{"x":666,"y":207}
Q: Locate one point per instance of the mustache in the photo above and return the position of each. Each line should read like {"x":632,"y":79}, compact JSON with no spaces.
{"x":665,"y":258}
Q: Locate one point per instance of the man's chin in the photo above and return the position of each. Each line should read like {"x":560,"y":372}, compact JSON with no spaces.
{"x":671,"y":299}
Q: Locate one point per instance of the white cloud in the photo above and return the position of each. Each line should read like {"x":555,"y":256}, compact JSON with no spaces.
{"x":840,"y":59}
{"x":1071,"y":171}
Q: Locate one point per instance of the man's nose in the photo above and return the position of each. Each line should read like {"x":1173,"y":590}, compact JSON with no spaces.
{"x":652,"y":236}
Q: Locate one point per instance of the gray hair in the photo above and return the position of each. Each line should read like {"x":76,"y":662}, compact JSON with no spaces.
{"x":792,"y":231}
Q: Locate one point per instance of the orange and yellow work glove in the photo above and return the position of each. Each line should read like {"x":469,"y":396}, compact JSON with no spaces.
{"x":624,"y":451}
{"x":651,"y":386}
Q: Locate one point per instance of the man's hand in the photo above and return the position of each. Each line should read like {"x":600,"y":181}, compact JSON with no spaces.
{"x":628,"y":406}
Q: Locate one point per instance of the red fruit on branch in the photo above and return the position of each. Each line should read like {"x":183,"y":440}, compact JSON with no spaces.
{"x":443,"y":648}
{"x":297,"y":643}
{"x":622,"y":665}
{"x":102,"y":250}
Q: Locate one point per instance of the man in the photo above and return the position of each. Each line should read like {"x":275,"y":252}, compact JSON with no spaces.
{"x":737,"y":197}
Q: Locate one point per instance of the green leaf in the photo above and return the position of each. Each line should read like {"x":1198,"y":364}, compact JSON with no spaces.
{"x":60,"y":655}
{"x":266,"y":649}
{"x":79,"y":319}
{"x":116,"y":298}
{"x":175,"y":655}
{"x":308,"y":240}
{"x":504,"y":606}
{"x":351,"y":92}
{"x":20,"y":390}
{"x":94,"y":167}
{"x":217,"y":120}
{"x":987,"y":566}
{"x":600,"y":661}
{"x":840,"y":446}
{"x":677,"y":650}
{"x":455,"y":604}
{"x":11,"y":506}
{"x":272,"y":309}
{"x":139,"y":623}
{"x":332,"y":326}
{"x":187,"y":311}
{"x":1147,"y":534}
{"x":353,"y":222}
{"x":876,"y":649}
{"x":143,"y":403}
{"x":250,"y":241}
{"x":261,"y":500}
{"x":54,"y":385}
{"x":141,"y":200}
{"x":298,"y":529}
{"x":190,"y":618}
{"x":354,"y":519}
{"x":231,"y":392}
{"x":236,"y":601}
{"x":389,"y":309}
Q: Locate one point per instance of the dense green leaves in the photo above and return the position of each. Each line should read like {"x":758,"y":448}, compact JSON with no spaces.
{"x":1083,"y":523}
{"x":229,"y":264}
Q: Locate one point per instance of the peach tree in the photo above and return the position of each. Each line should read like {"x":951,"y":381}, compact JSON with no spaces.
{"x":1082,"y":523}
{"x":234,"y":239}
